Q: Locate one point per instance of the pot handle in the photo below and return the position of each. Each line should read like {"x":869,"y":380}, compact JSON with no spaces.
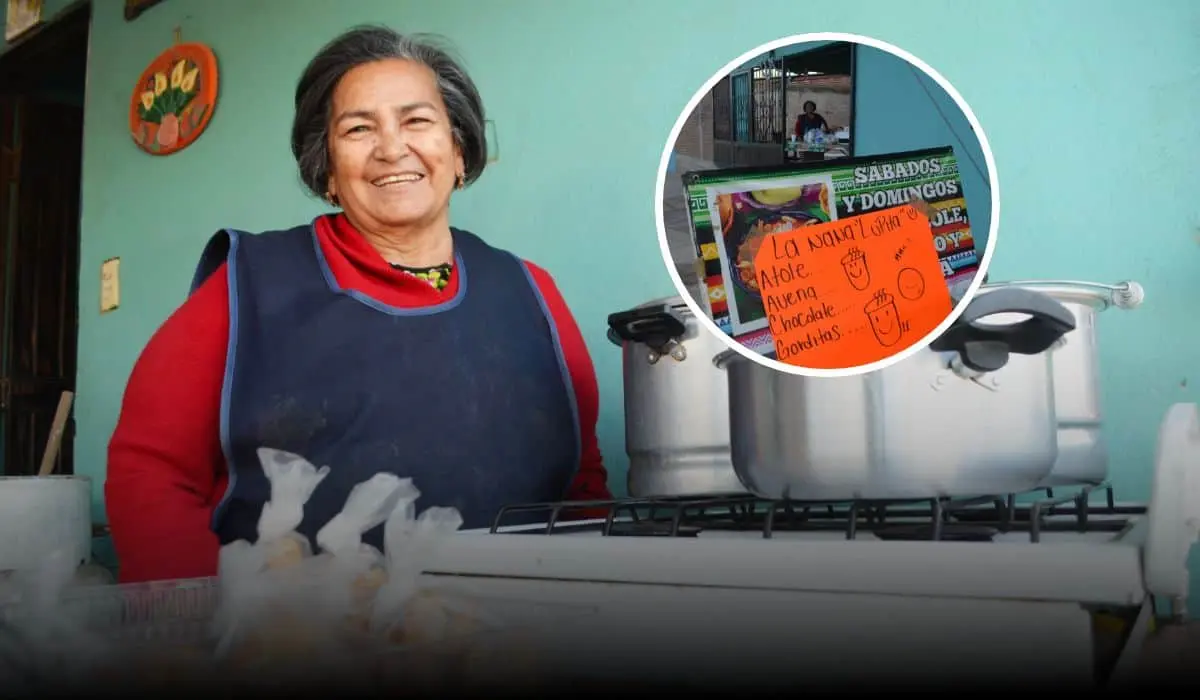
{"x":653,"y":326}
{"x":986,"y":348}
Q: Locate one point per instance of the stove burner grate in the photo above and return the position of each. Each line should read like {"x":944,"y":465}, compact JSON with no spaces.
{"x":950,"y":532}
{"x":949,"y":519}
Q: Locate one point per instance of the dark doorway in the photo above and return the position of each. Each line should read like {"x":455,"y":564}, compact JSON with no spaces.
{"x":42,"y":82}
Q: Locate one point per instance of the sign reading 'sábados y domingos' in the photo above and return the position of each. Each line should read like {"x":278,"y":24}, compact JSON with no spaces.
{"x":851,"y":292}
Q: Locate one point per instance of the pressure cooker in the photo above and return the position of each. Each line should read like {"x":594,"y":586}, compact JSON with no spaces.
{"x":972,"y":414}
{"x":676,"y":403}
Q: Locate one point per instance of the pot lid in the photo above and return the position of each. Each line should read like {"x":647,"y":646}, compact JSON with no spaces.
{"x":675,"y":304}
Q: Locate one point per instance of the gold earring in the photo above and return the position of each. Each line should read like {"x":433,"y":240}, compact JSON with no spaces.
{"x":331,"y":198}
{"x":461,"y":182}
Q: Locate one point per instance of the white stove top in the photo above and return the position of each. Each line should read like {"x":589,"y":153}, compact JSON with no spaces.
{"x":1068,"y":569}
{"x":1097,"y":566}
{"x":803,"y":610}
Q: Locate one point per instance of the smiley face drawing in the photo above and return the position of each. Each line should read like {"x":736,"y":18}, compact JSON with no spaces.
{"x":854,"y":264}
{"x":885,"y":319}
{"x":910,"y":283}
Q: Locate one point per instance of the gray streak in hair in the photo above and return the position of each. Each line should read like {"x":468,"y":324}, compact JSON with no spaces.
{"x":361,"y":45}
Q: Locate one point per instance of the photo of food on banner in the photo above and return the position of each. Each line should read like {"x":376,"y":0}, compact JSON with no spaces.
{"x":841,"y":263}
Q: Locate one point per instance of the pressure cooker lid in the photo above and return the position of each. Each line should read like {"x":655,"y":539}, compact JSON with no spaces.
{"x":661,"y":319}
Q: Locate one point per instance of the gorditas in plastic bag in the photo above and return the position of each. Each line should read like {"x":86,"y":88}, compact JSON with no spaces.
{"x":244,"y":593}
{"x":270,"y":595}
{"x":356,"y":570}
{"x":293,"y":480}
{"x":406,"y":612}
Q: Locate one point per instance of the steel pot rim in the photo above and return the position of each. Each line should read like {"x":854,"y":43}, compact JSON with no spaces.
{"x":1097,"y":295}
{"x":723,"y":359}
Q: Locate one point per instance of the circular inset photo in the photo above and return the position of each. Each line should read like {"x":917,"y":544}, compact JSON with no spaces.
{"x":828,"y":205}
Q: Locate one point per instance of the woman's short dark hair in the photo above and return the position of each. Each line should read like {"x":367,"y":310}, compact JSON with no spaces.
{"x":807,"y":103}
{"x":314,"y":97}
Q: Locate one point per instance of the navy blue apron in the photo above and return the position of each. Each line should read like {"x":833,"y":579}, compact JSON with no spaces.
{"x":470,"y":398}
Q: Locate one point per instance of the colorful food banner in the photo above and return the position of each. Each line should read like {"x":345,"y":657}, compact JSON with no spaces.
{"x":851,"y":292}
{"x":749,"y":204}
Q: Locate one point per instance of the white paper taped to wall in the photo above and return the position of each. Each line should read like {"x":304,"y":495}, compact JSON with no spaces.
{"x":110,"y":285}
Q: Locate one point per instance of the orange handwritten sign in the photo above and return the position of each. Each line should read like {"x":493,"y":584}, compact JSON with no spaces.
{"x":852,"y":292}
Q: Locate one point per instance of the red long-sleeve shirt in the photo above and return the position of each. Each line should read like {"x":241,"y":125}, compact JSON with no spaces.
{"x":166,"y":471}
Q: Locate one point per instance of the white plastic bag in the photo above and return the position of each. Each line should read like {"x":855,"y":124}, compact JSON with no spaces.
{"x":293,"y":480}
{"x":242,"y":590}
{"x":368,"y":505}
{"x":356,"y":570}
{"x":408,"y":613}
{"x":268,"y":589}
{"x":287,"y":611}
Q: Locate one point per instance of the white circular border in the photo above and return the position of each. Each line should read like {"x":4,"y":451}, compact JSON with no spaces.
{"x":705,"y":320}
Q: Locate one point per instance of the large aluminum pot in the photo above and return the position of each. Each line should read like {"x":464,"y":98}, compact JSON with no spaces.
{"x":44,"y":514}
{"x":971,"y":415}
{"x":1082,"y":451}
{"x":676,"y":403}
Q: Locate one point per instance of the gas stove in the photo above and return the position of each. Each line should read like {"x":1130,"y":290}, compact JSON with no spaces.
{"x":716,"y":589}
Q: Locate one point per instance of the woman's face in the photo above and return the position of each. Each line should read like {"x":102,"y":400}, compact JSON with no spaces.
{"x":809,"y":108}
{"x":393,"y":158}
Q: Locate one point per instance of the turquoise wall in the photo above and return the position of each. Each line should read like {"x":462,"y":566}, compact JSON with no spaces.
{"x":899,"y":108}
{"x":780,"y":52}
{"x":585,"y":93}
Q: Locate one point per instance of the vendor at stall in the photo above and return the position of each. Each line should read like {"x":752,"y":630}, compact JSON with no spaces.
{"x":808,"y":119}
{"x":374,"y":339}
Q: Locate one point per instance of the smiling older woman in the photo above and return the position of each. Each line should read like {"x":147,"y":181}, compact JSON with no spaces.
{"x":376,"y":339}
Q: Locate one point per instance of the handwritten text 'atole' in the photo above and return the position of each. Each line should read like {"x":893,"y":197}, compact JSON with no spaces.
{"x":852,"y":292}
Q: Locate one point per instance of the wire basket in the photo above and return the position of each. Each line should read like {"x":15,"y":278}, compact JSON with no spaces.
{"x":159,"y":612}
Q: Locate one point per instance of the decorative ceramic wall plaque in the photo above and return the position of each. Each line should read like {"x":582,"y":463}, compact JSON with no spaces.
{"x":174,"y":99}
